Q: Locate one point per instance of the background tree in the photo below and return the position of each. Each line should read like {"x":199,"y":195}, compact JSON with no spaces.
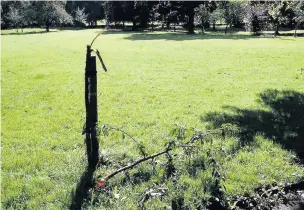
{"x":19,"y":14}
{"x":1,"y":19}
{"x":276,"y":14}
{"x":93,"y":9}
{"x":188,"y":11}
{"x":52,"y":12}
{"x":141,"y":16}
{"x":108,"y":12}
{"x":298,"y":9}
{"x":162,"y":10}
{"x":80,"y":17}
{"x":173,"y":18}
{"x":175,"y":15}
{"x":215,"y":16}
{"x":4,"y":11}
{"x":255,"y":18}
{"x":123,"y":11}
{"x":154,"y":15}
{"x":202,"y":15}
{"x":15,"y":17}
{"x":233,"y":13}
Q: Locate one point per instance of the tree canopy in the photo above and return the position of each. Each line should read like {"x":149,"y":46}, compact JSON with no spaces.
{"x":254,"y":16}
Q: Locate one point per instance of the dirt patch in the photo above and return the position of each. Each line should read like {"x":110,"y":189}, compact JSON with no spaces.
{"x":272,"y":197}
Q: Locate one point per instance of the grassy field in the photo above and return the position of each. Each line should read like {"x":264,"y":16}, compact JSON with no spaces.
{"x":154,"y":81}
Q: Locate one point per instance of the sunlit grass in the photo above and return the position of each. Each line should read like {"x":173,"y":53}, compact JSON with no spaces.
{"x":154,"y":80}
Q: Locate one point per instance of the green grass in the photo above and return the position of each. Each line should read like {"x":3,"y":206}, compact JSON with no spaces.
{"x":153,"y":81}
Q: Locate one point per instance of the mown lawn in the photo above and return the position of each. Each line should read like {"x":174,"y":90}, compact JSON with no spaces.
{"x":154,"y":81}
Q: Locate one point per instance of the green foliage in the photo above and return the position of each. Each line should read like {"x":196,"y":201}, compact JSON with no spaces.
{"x":24,"y":13}
{"x":108,"y":10}
{"x":202,"y":15}
{"x":298,"y":8}
{"x":234,"y":12}
{"x":80,"y":16}
{"x":276,"y":13}
{"x":19,"y":14}
{"x":161,"y":10}
{"x":143,"y":14}
{"x":48,"y":12}
{"x":216,"y":15}
{"x":15,"y":17}
{"x":255,"y":18}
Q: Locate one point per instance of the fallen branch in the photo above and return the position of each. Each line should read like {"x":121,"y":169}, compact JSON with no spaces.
{"x":135,"y":163}
{"x":108,"y":127}
{"x":195,"y":137}
{"x":201,"y":135}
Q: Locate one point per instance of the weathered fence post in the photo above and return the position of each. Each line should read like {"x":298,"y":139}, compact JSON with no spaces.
{"x":91,"y":109}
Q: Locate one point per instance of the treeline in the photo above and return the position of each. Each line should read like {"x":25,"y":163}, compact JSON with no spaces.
{"x":254,"y":16}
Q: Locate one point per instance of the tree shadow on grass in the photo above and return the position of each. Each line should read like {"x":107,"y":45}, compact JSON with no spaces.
{"x":26,"y":33}
{"x":283,"y":122}
{"x":42,"y":31}
{"x":183,"y":36}
{"x":81,"y":192}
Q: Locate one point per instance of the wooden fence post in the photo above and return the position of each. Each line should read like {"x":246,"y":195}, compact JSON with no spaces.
{"x":91,"y":109}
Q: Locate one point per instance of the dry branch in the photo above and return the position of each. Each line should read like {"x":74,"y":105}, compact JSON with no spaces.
{"x":95,"y":38}
{"x":135,"y":163}
{"x":194,"y":138}
{"x":122,"y":131}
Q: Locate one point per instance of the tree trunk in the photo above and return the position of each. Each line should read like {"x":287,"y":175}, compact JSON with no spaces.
{"x":213,"y":28}
{"x":191,"y":22}
{"x":123,"y":24}
{"x":276,"y":30}
{"x":168,"y":25}
{"x":134,"y":25}
{"x":226,"y":29}
{"x":47,"y":26}
{"x":295,"y":33}
{"x":174,"y":26}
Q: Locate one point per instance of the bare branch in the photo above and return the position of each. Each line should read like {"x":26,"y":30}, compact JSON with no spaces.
{"x":122,"y":131}
{"x":95,"y":38}
{"x":135,"y":163}
{"x":194,"y":138}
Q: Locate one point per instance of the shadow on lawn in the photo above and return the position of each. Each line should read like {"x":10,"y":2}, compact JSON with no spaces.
{"x":26,"y":33}
{"x":42,"y":31}
{"x":81,"y":193}
{"x":283,"y":123}
{"x":183,"y":36}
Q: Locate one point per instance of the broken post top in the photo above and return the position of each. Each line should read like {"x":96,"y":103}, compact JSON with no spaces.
{"x":94,"y":39}
{"x":89,"y":50}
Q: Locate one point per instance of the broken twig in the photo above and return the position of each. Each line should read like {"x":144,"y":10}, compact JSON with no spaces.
{"x":135,"y":163}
